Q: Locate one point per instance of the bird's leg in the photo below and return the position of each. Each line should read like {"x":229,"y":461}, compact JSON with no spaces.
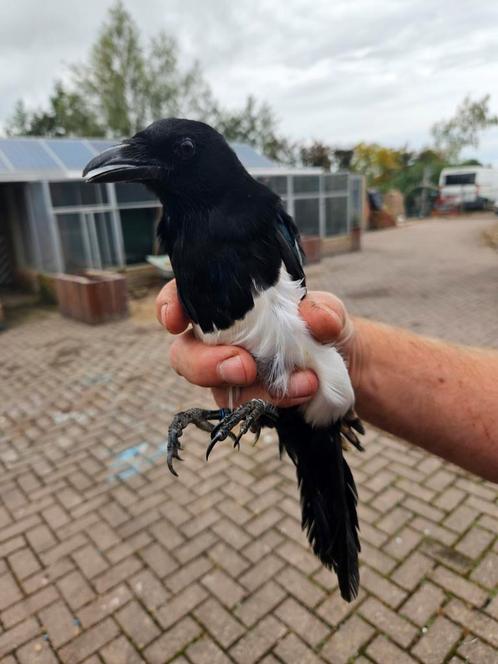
{"x":251,"y":415}
{"x":202,"y":420}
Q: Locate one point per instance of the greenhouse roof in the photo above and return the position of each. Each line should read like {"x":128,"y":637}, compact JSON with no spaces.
{"x":28,"y":159}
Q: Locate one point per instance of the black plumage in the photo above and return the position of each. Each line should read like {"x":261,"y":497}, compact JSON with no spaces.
{"x":228,"y":237}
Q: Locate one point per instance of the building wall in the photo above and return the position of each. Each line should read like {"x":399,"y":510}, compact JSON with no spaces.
{"x":70,"y":226}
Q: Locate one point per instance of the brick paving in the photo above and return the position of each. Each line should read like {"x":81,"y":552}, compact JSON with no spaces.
{"x":106,"y":558}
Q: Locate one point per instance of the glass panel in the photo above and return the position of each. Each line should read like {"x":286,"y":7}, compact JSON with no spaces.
{"x":100,"y":144}
{"x":304,"y":184}
{"x":356,"y":206}
{"x":42,"y":226}
{"x":139,"y":229}
{"x":73,"y":245}
{"x":3,"y":165}
{"x":28,"y":154}
{"x":73,"y":154}
{"x":277,"y":183}
{"x":75,"y":194}
{"x":336,"y":220}
{"x":105,"y":237}
{"x":460,"y":178}
{"x":133,"y":193}
{"x":335,"y":182}
{"x":306,"y":216}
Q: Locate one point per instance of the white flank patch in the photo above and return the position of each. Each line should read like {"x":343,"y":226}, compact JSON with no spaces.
{"x":275,"y":334}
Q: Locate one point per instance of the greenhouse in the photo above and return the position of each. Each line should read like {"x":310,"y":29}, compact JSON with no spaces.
{"x":51,"y":221}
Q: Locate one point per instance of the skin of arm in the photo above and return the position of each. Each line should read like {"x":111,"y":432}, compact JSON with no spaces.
{"x":438,"y":396}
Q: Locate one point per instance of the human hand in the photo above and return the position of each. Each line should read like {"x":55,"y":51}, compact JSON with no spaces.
{"x":220,"y":367}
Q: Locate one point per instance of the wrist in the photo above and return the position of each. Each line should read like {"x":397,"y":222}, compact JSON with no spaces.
{"x":359,"y":356}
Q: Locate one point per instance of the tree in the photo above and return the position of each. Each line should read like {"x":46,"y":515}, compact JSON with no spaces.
{"x":256,"y":125}
{"x":462,"y":130}
{"x":67,"y":114}
{"x":317,"y":154}
{"x":377,"y":163}
{"x":124,"y":86}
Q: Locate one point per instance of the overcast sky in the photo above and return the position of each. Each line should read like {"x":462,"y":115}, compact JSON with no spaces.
{"x":337,"y":70}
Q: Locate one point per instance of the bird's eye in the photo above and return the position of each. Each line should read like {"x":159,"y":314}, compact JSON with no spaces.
{"x":185,"y":148}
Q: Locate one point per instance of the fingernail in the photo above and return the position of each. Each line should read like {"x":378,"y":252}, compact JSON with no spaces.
{"x":164,"y":311}
{"x":232,"y":371}
{"x":300,"y":386}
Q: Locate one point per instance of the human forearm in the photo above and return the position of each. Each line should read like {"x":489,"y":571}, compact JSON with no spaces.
{"x":441,"y":397}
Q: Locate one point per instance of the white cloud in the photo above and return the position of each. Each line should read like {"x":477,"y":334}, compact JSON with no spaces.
{"x":342,"y":71}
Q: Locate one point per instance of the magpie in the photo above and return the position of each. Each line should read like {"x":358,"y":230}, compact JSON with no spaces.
{"x":238,"y":265}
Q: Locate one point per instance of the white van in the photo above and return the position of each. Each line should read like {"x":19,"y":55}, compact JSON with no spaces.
{"x":469,"y":186}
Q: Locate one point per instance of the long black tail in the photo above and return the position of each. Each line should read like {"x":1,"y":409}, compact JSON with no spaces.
{"x":328,"y":495}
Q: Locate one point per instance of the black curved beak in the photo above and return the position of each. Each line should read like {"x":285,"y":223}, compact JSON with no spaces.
{"x":126,"y":162}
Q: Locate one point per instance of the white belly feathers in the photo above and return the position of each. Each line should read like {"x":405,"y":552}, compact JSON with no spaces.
{"x":277,"y":337}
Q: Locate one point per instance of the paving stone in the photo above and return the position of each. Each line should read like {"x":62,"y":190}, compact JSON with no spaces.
{"x":37,"y":651}
{"x":475,"y":651}
{"x":119,"y":651}
{"x":9,"y":591}
{"x":221,"y":625}
{"x":474,"y":542}
{"x":137,"y":624}
{"x":258,"y":641}
{"x":149,"y":589}
{"x":261,"y":602}
{"x":189,"y":573}
{"x":261,"y":572}
{"x":347,"y":640}
{"x":223,"y":587}
{"x":409,"y":574}
{"x":388,"y":622}
{"x":75,"y":590}
{"x":90,"y":561}
{"x":103,"y":606}
{"x":116,"y":574}
{"x":333,"y":610}
{"x":437,"y":642}
{"x":381,"y":587}
{"x":474,"y":621}
{"x":382,"y":651}
{"x":29,"y":606}
{"x":59,"y":623}
{"x":290,"y":649}
{"x":177,"y":607}
{"x":297,"y":585}
{"x":89,"y":642}
{"x":305,"y":624}
{"x":455,"y":584}
{"x":172,"y":642}
{"x":16,"y":636}
{"x":486,"y":573}
{"x":205,"y":651}
{"x":423,"y":604}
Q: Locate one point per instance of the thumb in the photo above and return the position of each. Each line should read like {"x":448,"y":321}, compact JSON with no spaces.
{"x":325,"y":316}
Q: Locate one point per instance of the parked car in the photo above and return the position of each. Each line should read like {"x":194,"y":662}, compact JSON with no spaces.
{"x":469,"y":187}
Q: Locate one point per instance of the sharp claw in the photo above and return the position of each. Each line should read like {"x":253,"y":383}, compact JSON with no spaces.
{"x":217,"y":435}
{"x":170,"y":466}
{"x":210,"y":448}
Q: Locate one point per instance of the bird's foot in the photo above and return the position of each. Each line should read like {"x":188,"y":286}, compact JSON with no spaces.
{"x":351,"y":423}
{"x":202,"y":420}
{"x":251,"y":416}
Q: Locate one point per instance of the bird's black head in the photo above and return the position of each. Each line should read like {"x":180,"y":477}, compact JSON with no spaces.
{"x":178,"y":158}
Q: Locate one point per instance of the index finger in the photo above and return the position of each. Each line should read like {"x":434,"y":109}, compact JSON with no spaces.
{"x":169,"y":310}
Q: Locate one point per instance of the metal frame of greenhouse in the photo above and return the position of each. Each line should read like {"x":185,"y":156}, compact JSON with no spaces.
{"x":57,"y":223}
